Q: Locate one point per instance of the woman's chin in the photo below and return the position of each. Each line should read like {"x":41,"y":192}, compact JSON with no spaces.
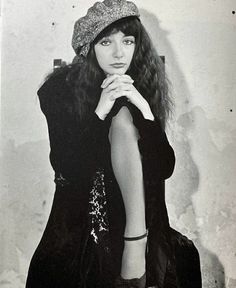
{"x":120,"y":71}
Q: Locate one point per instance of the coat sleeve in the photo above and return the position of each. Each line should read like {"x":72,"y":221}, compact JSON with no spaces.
{"x":156,"y":151}
{"x":76,"y":149}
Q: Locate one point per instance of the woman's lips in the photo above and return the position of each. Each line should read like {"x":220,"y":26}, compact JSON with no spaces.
{"x":118,"y":65}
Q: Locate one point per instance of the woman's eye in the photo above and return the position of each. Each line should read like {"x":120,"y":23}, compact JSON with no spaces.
{"x":129,"y":41}
{"x":105,"y":42}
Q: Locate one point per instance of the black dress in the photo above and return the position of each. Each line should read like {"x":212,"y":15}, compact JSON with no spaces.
{"x":82,"y":243}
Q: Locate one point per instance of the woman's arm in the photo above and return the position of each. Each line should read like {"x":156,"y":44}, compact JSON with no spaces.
{"x":76,"y":149}
{"x":155,"y":148}
{"x":153,"y":143}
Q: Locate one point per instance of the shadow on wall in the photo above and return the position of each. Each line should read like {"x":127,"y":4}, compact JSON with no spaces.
{"x":212,"y":270}
{"x":186,"y":176}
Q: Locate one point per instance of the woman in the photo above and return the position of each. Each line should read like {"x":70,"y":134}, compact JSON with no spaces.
{"x":106,"y":115}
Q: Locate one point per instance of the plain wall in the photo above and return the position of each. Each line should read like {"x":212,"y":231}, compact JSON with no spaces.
{"x":197,"y":37}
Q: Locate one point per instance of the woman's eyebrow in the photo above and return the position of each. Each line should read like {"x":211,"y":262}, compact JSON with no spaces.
{"x":128,"y":35}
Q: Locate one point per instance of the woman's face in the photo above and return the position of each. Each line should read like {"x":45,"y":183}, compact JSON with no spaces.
{"x":114,"y":53}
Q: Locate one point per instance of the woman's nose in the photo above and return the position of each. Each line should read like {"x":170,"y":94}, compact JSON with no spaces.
{"x":118,"y":51}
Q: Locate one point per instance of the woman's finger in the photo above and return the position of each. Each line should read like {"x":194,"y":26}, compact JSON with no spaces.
{"x":119,"y":94}
{"x":116,"y":78}
{"x":119,"y":87}
{"x":109,"y":80}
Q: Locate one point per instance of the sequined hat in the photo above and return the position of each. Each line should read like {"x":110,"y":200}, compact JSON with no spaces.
{"x":98,"y":17}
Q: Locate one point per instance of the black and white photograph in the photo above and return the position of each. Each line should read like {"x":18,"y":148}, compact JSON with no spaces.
{"x":118,"y":144}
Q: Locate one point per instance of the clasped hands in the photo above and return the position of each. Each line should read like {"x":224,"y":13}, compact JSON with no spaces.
{"x":115,"y":86}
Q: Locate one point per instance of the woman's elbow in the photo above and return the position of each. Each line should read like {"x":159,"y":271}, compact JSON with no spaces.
{"x":169,"y":164}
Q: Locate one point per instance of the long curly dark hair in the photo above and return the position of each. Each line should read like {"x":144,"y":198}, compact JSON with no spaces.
{"x":146,"y":69}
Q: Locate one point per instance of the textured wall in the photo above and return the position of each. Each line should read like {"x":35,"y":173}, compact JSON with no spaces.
{"x":198,"y":38}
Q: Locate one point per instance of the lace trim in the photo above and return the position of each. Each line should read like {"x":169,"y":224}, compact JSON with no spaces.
{"x":98,"y":208}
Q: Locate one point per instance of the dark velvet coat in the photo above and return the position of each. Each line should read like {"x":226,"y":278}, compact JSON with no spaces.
{"x":67,"y":255}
